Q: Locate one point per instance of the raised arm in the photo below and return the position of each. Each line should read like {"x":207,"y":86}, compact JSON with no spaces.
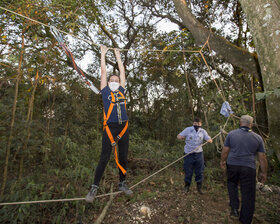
{"x":121,"y":67}
{"x":103,"y":81}
{"x":263,"y":165}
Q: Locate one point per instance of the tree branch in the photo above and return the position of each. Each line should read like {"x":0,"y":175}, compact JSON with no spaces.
{"x":105,"y":209}
{"x":105,"y":30}
{"x":231,"y":53}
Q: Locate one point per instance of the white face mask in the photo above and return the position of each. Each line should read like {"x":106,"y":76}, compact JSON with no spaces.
{"x":114,"y":86}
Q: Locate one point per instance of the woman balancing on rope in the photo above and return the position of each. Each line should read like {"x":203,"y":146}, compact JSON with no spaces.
{"x":115,"y":124}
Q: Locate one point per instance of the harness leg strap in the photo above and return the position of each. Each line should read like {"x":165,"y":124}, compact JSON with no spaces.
{"x":119,"y":136}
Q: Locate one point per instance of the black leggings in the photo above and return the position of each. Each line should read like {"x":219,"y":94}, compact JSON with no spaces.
{"x":123,"y":143}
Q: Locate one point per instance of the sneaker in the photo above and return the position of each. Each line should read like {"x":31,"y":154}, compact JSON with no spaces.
{"x":92,"y":193}
{"x":234,"y":213}
{"x":124,"y":188}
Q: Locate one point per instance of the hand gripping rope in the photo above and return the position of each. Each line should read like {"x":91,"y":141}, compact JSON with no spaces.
{"x":59,"y":39}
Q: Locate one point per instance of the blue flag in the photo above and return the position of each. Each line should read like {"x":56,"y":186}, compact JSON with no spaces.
{"x":226,"y":109}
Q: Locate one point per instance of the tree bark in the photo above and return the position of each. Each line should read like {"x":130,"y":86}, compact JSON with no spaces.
{"x":238,"y":56}
{"x":27,"y":127}
{"x":8,"y":150}
{"x":263,"y":19}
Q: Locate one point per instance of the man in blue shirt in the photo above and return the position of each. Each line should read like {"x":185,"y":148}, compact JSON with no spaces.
{"x":194,"y":161}
{"x":238,"y":156}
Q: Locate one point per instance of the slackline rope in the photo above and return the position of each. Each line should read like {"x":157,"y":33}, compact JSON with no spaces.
{"x":117,"y":192}
{"x":92,"y":43}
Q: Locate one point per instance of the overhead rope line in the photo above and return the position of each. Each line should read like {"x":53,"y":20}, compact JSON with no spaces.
{"x":59,"y":39}
{"x":220,"y":90}
{"x":91,"y":42}
{"x":221,"y":87}
{"x":153,"y":50}
{"x":117,"y":192}
{"x":46,"y":25}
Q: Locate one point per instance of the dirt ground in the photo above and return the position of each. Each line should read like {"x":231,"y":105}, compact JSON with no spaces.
{"x":168,"y":203}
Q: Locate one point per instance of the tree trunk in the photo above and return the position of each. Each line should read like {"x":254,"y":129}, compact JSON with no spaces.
{"x":238,"y":56}
{"x":27,"y":127}
{"x":8,"y":150}
{"x":263,"y":19}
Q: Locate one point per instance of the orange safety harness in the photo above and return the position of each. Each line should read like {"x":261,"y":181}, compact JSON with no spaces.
{"x":119,"y":136}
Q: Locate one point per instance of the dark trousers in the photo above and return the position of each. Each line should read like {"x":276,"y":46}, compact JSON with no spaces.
{"x":123,"y":143}
{"x":246,"y":176}
{"x":194,"y":162}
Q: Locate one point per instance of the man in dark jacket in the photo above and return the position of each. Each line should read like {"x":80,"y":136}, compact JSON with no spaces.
{"x":238,"y":156}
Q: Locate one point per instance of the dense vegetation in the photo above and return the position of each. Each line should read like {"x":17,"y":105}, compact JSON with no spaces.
{"x":51,"y":123}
